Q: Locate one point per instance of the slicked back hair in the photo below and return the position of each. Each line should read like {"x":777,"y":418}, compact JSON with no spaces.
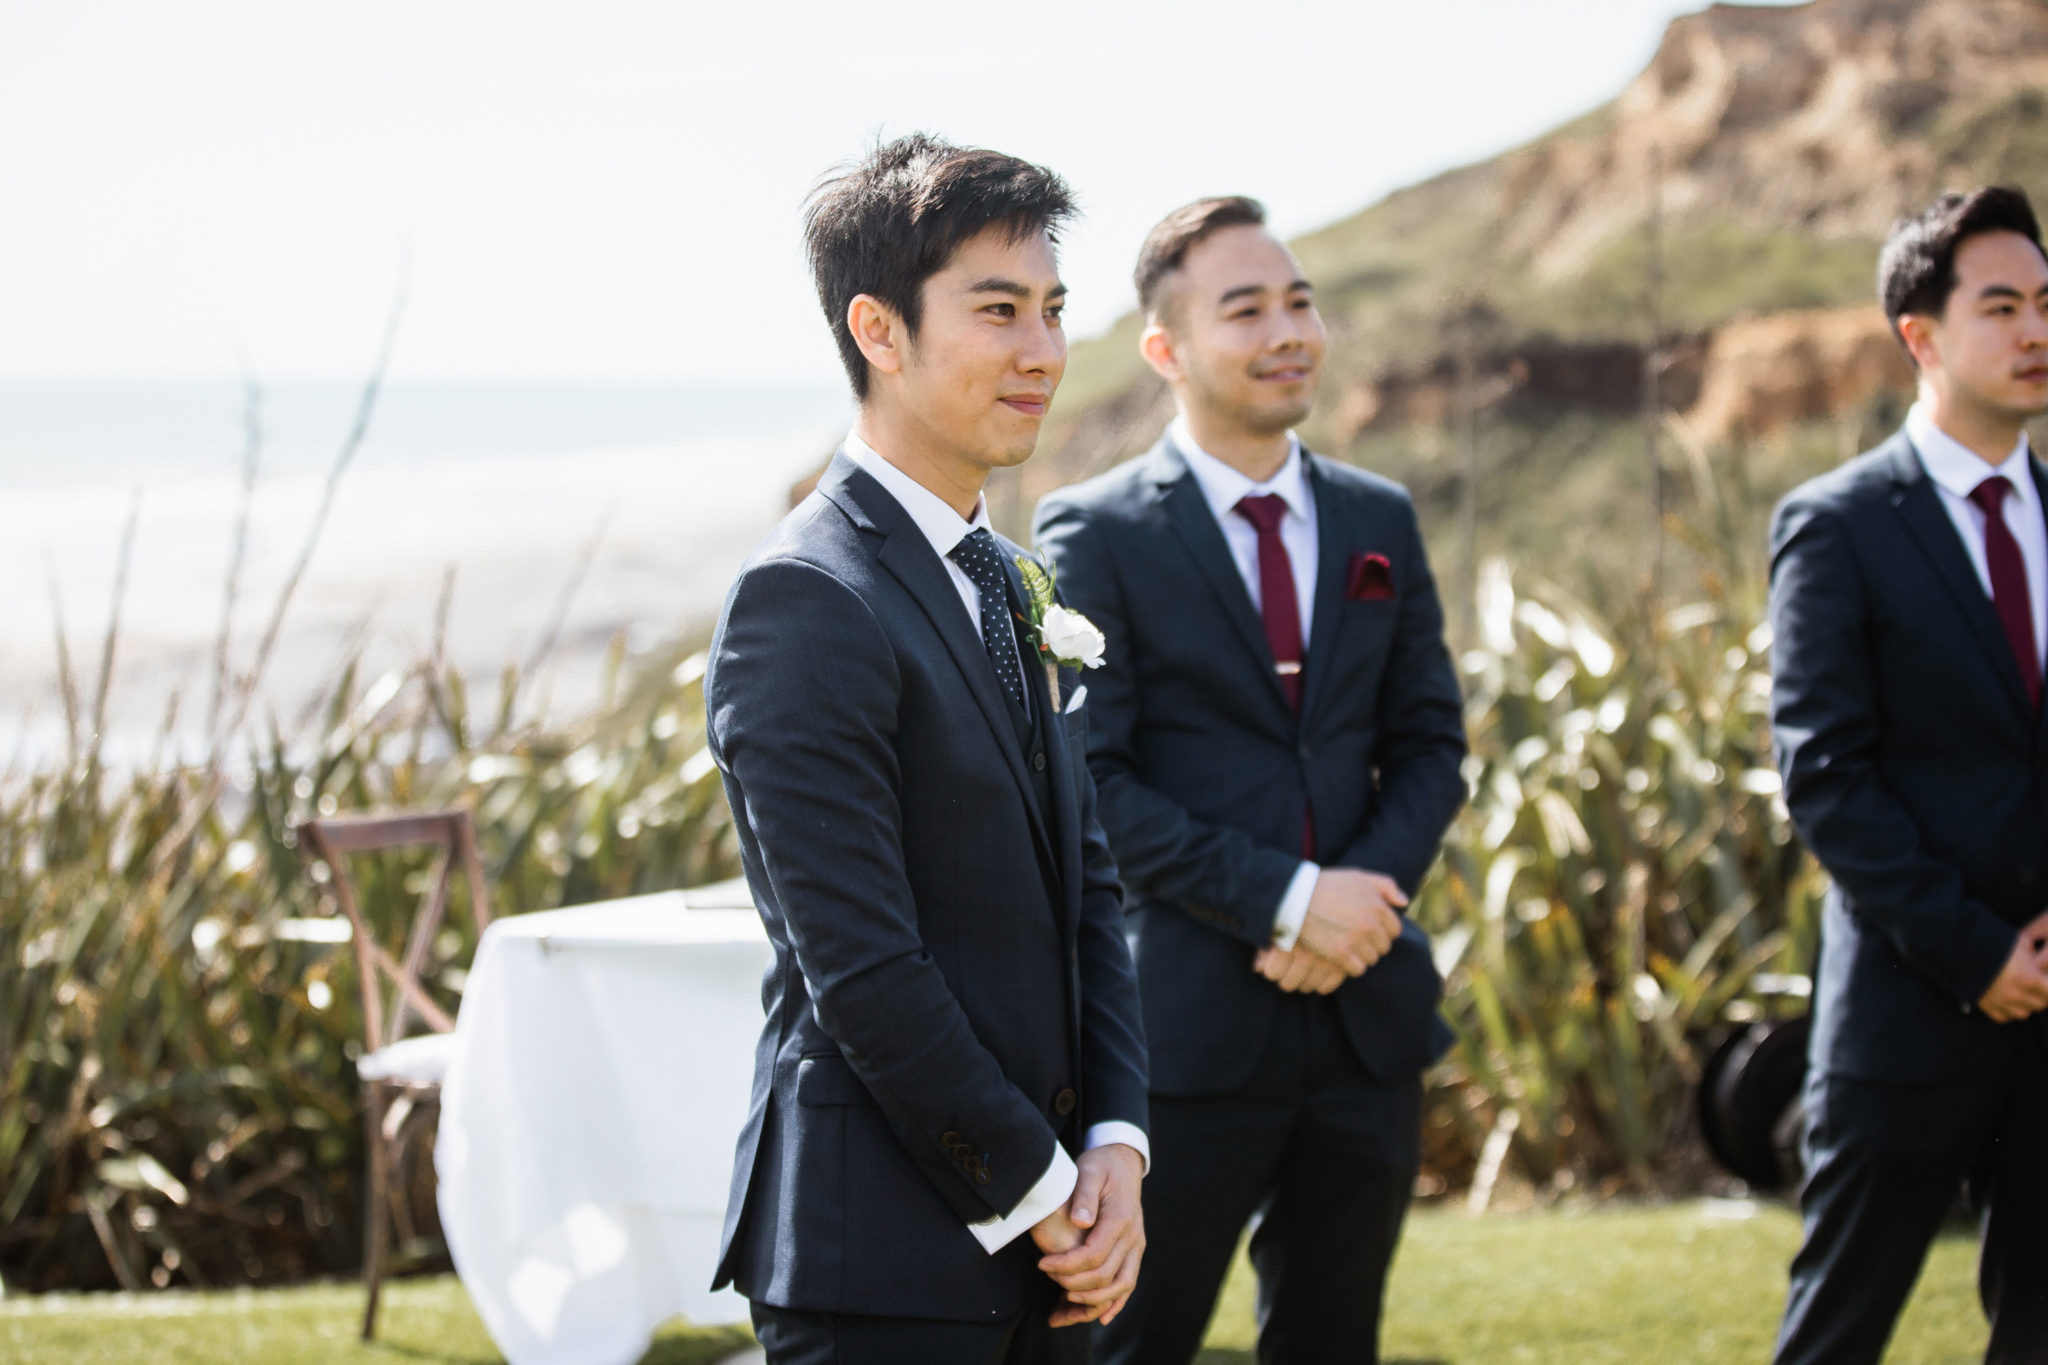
{"x":1167,"y":245}
{"x":888,"y":223}
{"x":1916,"y":271}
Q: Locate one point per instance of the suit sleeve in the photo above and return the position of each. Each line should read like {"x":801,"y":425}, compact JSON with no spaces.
{"x":1421,"y":736}
{"x":1113,"y":1061}
{"x":1220,"y":877}
{"x":1824,"y":711}
{"x":810,"y":762}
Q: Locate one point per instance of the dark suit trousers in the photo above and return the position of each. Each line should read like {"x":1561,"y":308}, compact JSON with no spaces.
{"x":792,"y":1336}
{"x":1885,"y":1163}
{"x":1324,"y":1154}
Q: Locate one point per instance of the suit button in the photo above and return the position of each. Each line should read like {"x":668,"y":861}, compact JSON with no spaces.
{"x":949,"y":1140}
{"x":1306,"y":753}
{"x":2026,"y":876}
{"x":983,"y":1176}
{"x":1064,"y":1102}
{"x":1038,"y":762}
{"x":972,"y":1164}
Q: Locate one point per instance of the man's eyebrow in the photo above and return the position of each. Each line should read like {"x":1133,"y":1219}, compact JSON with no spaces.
{"x":1248,"y":290}
{"x":1999,"y":291}
{"x":996,"y":284}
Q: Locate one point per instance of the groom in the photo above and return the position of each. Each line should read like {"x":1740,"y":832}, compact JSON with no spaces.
{"x":1909,"y":605}
{"x":1277,"y":735}
{"x":947,"y":1135}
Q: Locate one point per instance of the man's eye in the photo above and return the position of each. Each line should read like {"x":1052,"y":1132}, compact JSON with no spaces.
{"x":1003,"y":310}
{"x":1055,"y":315}
{"x":1244,"y":314}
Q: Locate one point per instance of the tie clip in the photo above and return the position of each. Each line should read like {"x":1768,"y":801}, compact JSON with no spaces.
{"x":1287,"y":668}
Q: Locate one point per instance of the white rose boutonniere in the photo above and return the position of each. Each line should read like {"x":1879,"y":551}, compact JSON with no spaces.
{"x":1065,"y":638}
{"x":1070,"y":638}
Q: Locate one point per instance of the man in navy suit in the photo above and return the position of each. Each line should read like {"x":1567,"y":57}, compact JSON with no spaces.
{"x":942,"y":1159}
{"x":1909,"y":594}
{"x":1276,"y":738}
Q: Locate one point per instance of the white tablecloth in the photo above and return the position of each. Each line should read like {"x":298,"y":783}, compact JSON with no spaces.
{"x":601,"y":1071}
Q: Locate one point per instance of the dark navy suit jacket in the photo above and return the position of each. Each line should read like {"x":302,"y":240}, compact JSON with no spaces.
{"x":1913,"y":766}
{"x":1205,"y":772}
{"x":950,"y":972}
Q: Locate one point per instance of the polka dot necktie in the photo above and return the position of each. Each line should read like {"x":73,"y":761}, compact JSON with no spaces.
{"x":983,"y":562}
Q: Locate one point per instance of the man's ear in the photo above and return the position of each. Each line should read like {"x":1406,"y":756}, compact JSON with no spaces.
{"x":1155,"y":343}
{"x":1917,"y":331}
{"x":878,"y":331}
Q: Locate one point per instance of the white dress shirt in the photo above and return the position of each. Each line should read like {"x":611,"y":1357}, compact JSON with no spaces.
{"x":1956,"y":471}
{"x":1223,"y":488}
{"x":946,"y":528}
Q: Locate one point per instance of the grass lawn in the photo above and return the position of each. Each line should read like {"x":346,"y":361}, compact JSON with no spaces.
{"x":1695,"y":1283}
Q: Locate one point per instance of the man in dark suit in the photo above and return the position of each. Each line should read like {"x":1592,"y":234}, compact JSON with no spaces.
{"x":1908,"y":591}
{"x":943,"y":1155}
{"x":1276,"y":737}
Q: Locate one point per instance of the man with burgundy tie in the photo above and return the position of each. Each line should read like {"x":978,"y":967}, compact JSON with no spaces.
{"x":1275,"y":738}
{"x":1909,"y":601}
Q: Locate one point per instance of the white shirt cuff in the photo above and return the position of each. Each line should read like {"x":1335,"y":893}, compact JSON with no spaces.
{"x":1053,"y":1189}
{"x":1116,"y":1130}
{"x":1287,"y":920}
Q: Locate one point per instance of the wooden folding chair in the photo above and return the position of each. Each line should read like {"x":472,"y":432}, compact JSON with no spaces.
{"x":401,"y":1078}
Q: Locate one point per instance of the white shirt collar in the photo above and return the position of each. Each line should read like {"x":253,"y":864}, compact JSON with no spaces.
{"x":941,"y":525}
{"x":1958,"y":468}
{"x":1223,"y":487}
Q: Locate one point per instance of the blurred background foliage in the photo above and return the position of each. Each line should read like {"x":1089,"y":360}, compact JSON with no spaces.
{"x":178,"y":1007}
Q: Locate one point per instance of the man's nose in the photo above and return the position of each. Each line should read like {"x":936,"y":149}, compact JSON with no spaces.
{"x":1042,"y":350}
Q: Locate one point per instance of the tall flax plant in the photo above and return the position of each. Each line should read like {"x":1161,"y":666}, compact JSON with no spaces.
{"x":178,"y":1014}
{"x":1625,"y":873}
{"x":177,"y":1095}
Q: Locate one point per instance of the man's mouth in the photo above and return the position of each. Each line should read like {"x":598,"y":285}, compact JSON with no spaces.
{"x":2033,"y":374}
{"x":1031,"y":405}
{"x":1284,"y":374}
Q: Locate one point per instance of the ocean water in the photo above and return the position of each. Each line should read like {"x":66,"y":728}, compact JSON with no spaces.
{"x":504,"y":485}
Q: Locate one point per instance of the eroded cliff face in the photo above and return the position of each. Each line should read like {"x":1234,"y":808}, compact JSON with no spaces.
{"x":1777,"y":145}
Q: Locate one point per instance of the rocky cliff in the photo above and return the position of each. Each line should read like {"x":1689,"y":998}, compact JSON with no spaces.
{"x":1729,"y":202}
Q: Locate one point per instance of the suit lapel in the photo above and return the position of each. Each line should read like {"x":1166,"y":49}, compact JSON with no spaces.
{"x":1194,"y":525}
{"x":1051,"y":726}
{"x":1333,"y":534}
{"x":1919,"y":504}
{"x":2041,"y":486}
{"x":908,"y":555}
{"x":1066,"y":814}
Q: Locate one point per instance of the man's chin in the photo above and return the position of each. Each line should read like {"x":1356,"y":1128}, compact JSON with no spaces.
{"x":1009,"y":453}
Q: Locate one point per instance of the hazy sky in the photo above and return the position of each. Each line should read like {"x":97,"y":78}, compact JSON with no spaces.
{"x":610,"y":189}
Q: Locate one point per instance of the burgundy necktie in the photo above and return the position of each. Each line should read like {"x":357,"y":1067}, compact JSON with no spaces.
{"x":2009,"y":596}
{"x":1277,"y":602}
{"x":1282,"y":612}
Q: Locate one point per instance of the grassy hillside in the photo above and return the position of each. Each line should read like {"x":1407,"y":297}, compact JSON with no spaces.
{"x":1493,"y":320}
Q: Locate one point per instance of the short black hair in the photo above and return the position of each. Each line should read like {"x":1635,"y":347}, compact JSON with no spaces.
{"x":1916,"y":271}
{"x":1168,"y":244}
{"x":888,"y":223}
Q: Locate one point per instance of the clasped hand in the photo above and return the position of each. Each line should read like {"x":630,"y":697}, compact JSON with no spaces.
{"x":2021,"y":989}
{"x":1094,"y":1242}
{"x":1352,"y":921}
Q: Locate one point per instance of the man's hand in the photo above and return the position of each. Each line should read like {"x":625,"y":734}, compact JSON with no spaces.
{"x":2021,"y":989}
{"x":1299,"y":971}
{"x":1351,"y":919}
{"x":1100,"y":1273}
{"x":1056,"y":1232}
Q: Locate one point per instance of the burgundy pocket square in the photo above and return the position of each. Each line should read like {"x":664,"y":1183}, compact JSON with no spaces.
{"x":1370,"y":579}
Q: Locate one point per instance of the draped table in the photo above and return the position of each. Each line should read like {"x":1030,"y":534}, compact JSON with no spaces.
{"x":600,"y":1072}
